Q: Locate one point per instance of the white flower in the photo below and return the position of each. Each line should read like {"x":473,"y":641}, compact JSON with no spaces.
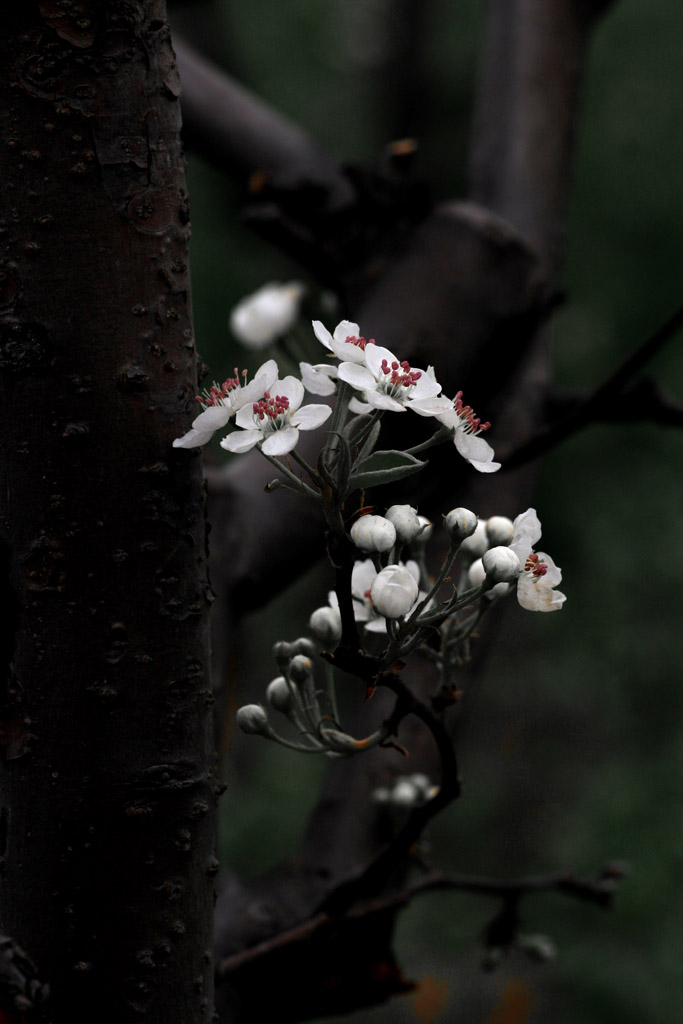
{"x":362,"y":578}
{"x":539,"y":573}
{"x":406,"y":522}
{"x":387,"y":383}
{"x":275,"y":419}
{"x":394,"y":591}
{"x":222,"y":401}
{"x":267,"y":314}
{"x":501,"y":564}
{"x":346,"y":343}
{"x":373,"y":533}
{"x":467,"y":427}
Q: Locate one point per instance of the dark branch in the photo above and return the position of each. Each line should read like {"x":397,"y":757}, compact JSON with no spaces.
{"x":609,"y":401}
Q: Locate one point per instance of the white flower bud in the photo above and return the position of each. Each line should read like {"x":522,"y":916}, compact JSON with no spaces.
{"x":267,"y":314}
{"x":300,"y":668}
{"x":476,"y":544}
{"x":303,"y":646}
{"x":420,"y":540}
{"x":501,"y":565}
{"x":252,"y":719}
{"x":405,"y":520}
{"x":405,"y":794}
{"x":476,"y":574}
{"x":394,"y":591}
{"x":373,"y":533}
{"x":279,"y":695}
{"x":326,"y":624}
{"x":499,"y":530}
{"x":460,"y":523}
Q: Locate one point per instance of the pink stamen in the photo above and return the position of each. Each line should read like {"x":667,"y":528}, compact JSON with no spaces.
{"x":216,"y":393}
{"x":400,"y":374}
{"x":472,"y":423}
{"x":270,"y":407}
{"x":535,"y":567}
{"x":359,"y":342}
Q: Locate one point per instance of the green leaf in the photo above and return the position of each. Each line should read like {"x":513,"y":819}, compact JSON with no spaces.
{"x":383,"y":468}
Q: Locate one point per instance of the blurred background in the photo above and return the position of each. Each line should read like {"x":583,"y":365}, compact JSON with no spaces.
{"x":574,"y":748}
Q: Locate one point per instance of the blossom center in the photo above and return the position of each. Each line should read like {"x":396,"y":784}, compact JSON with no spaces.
{"x":217,"y":393}
{"x":359,"y":342}
{"x":471,"y":424}
{"x":535,"y":567}
{"x":274,"y":411}
{"x":398,"y":378}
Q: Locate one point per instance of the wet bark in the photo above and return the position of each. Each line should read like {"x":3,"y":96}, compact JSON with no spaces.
{"x":108,"y":790}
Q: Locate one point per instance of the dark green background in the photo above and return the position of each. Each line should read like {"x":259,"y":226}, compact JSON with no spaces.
{"x":574,"y":752}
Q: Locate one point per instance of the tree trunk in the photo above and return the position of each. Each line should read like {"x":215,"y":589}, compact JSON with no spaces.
{"x":108,"y":792}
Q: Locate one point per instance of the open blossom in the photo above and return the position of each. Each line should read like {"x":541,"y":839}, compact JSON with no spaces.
{"x":275,"y":419}
{"x":346,"y":343}
{"x":467,"y":429}
{"x":267,"y":314}
{"x":362,"y":578}
{"x":387,"y":383}
{"x":222,"y":401}
{"x":539,"y":576}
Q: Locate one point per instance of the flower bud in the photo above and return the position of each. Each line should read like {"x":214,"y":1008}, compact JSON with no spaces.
{"x":282,"y":652}
{"x":460,"y":523}
{"x":267,"y":314}
{"x":300,"y":668}
{"x":501,"y":565}
{"x":303,"y":646}
{"x":405,"y":794}
{"x":419,"y":541}
{"x":499,"y":530}
{"x":326,"y":624}
{"x":540,"y":948}
{"x":373,"y":533}
{"x":252,"y":719}
{"x":394,"y":591}
{"x":405,"y":521}
{"x":476,"y":574}
{"x":278,"y":695}
{"x":476,"y":544}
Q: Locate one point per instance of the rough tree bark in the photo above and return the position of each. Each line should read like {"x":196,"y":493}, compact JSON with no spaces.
{"x":108,"y":790}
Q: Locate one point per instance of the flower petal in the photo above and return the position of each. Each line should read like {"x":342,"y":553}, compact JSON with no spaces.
{"x":281,"y":441}
{"x":245,"y":417}
{"x":308,"y":417}
{"x":429,"y":406}
{"x":213,"y":418}
{"x":241,"y":440}
{"x":374,"y":356}
{"x":319,"y":378}
{"x":476,"y":450}
{"x":291,"y":388}
{"x":322,"y":334}
{"x":193,"y":438}
{"x":357,"y":376}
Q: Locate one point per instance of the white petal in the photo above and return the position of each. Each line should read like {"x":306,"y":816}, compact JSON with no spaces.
{"x":427,"y":387}
{"x":362,"y":577}
{"x":526,"y":533}
{"x":380,"y":401}
{"x":318,"y":379}
{"x":374,"y":356}
{"x":245,"y":418}
{"x":378,"y":625}
{"x":291,"y":388}
{"x":241,"y":440}
{"x":428,"y":406}
{"x":213,"y":418}
{"x":281,"y":441}
{"x":533,"y":596}
{"x":309,"y":417}
{"x":357,"y":376}
{"x":554,"y":574}
{"x":345,"y":329}
{"x":193,"y":438}
{"x":476,"y":450}
{"x":267,"y":374}
{"x":359,"y":408}
{"x":322,"y":334}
